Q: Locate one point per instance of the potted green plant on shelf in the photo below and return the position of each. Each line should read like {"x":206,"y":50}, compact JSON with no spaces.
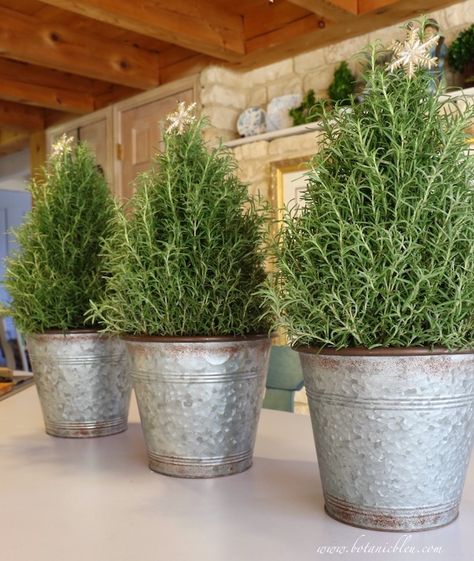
{"x":340,"y":91}
{"x":461,"y":55}
{"x":80,"y":374}
{"x":342,"y":88}
{"x":309,"y":110}
{"x":184,"y":275}
{"x":375,"y":287}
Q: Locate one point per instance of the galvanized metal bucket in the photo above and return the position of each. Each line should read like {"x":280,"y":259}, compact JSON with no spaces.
{"x":394,"y":431}
{"x":82,"y":383}
{"x":199,"y":400}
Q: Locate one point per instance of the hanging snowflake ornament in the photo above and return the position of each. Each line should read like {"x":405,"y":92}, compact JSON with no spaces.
{"x":413,"y":53}
{"x":62,"y":146}
{"x":182,"y":118}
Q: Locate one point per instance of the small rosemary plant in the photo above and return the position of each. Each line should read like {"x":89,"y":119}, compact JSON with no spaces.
{"x":383,"y":252}
{"x":189,"y":259}
{"x":461,"y":51}
{"x":57,"y":269}
{"x":343,"y":85}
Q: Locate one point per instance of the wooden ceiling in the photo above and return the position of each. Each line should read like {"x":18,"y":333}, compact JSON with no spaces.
{"x":63,"y":57}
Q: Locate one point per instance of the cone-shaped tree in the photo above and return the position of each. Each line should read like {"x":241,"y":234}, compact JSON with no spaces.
{"x":383,"y":252}
{"x":57,"y":269}
{"x":189,"y":258}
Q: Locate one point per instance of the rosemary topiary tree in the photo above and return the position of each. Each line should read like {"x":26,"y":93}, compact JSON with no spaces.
{"x":383,"y":252}
{"x":190,"y":258}
{"x":57,"y":270}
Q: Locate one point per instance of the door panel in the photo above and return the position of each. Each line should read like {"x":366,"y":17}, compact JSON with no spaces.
{"x":95,"y":134}
{"x":68,"y":132}
{"x":95,"y":129}
{"x":141,"y":135}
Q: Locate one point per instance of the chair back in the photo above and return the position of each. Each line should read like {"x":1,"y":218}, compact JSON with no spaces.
{"x":285,"y":377}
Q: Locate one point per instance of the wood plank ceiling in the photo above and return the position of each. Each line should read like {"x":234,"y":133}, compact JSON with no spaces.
{"x":63,"y":57}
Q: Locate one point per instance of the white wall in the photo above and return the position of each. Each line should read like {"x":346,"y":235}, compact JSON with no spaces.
{"x":15,"y":171}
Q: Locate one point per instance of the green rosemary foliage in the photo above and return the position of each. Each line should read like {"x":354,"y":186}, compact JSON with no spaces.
{"x":342,"y":87}
{"x":190,"y":259}
{"x":383,"y":252}
{"x":57,"y":270}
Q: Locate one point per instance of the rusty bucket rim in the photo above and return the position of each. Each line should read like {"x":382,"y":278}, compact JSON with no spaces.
{"x":195,"y":338}
{"x":68,"y":332}
{"x":380,"y":351}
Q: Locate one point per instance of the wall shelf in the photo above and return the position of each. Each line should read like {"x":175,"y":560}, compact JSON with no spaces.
{"x":291,"y":131}
{"x":311,"y":127}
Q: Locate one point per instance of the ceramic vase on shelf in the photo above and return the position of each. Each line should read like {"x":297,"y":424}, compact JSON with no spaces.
{"x":278,"y":116}
{"x":251,"y":122}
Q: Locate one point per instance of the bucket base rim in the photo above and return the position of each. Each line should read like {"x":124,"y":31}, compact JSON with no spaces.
{"x":88,"y":429}
{"x":386,"y":523}
{"x":199,"y":468}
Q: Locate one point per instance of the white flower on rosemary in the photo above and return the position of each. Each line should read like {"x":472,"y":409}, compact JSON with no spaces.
{"x":182,"y":118}
{"x":413,"y":53}
{"x":62,"y":146}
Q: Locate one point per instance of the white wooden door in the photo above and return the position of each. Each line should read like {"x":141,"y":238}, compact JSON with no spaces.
{"x":95,"y":135}
{"x":96,"y":130}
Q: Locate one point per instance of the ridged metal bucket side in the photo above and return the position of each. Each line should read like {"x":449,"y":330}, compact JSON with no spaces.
{"x":82,"y":383}
{"x":199,"y":402}
{"x":393,"y":436}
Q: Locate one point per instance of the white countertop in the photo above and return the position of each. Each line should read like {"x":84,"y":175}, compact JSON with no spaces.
{"x":96,"y":500}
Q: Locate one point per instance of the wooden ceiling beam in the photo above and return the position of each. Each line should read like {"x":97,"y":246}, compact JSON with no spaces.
{"x":21,"y":117}
{"x":186,"y":67}
{"x":43,"y":96}
{"x":265,"y":51}
{"x":53,"y":118}
{"x":349,"y":6}
{"x":42,"y":76}
{"x":202,"y":26}
{"x":112,"y":95}
{"x":324,"y":8}
{"x":340,"y":9}
{"x":372,"y":5}
{"x":27,"y":39}
{"x":274,"y":39}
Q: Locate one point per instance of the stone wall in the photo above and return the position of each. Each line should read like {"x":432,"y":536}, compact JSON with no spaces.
{"x":226,"y":93}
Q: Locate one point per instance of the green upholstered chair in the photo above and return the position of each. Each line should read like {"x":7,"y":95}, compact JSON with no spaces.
{"x":285,"y":377}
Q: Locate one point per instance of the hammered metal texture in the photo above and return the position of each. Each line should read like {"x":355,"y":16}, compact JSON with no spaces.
{"x":393,"y":436}
{"x":199,"y":402}
{"x":82,"y":383}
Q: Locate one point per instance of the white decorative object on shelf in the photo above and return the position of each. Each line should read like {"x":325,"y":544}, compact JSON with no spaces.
{"x":251,"y":122}
{"x":278,"y":116}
